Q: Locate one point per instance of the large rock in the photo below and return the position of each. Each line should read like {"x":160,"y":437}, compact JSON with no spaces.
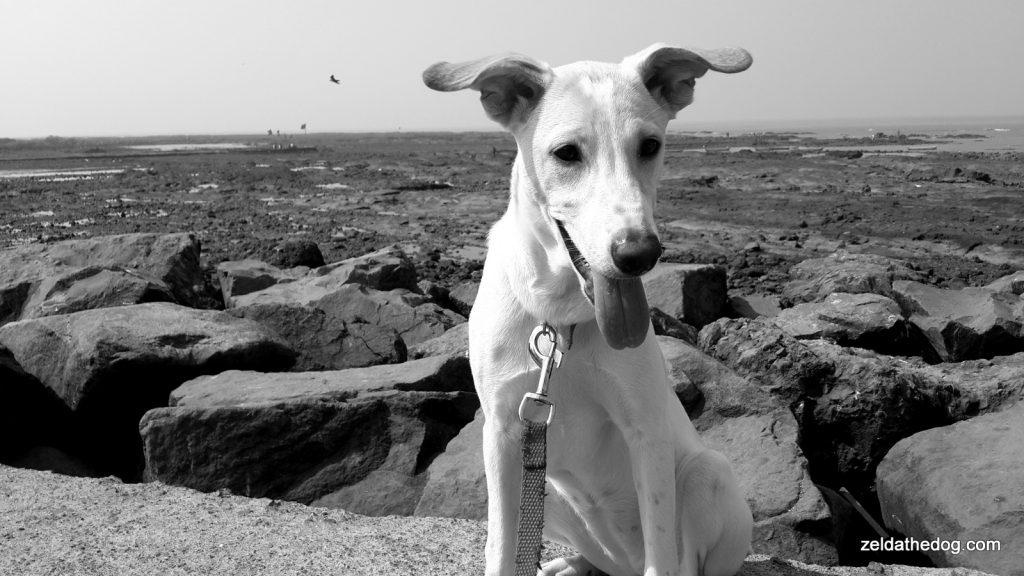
{"x":791,"y":518}
{"x":456,"y":485}
{"x":874,"y":401}
{"x":759,"y":437}
{"x":770,"y":358}
{"x":241,"y":277}
{"x":454,"y":341}
{"x":357,"y":439}
{"x":853,"y":405}
{"x":386,"y":269}
{"x":964,"y":324}
{"x":693,"y":293}
{"x":109,"y":366}
{"x":351,"y":325}
{"x":223,"y":535}
{"x":961,"y":484}
{"x":985,"y":385}
{"x":708,"y":389}
{"x":861,"y":320}
{"x":46,"y":279}
{"x":297,"y":252}
{"x":30,"y":415}
{"x":754,"y":305}
{"x":326,"y":340}
{"x":1013,"y":283}
{"x":816,"y":278}
{"x":462,"y":297}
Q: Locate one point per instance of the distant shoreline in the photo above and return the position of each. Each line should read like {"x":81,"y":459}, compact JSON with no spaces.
{"x":685,"y":123}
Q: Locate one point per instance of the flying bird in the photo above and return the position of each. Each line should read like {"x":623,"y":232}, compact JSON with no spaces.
{"x":335,"y":80}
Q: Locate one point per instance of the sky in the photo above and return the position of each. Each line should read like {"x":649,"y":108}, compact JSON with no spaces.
{"x":139,"y":67}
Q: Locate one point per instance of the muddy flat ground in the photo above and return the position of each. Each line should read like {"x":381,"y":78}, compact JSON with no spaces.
{"x":756,"y":203}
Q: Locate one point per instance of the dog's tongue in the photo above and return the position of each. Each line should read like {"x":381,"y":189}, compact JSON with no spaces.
{"x":622,"y":314}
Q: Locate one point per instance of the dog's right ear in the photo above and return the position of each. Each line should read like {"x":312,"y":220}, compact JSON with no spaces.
{"x":510,"y":85}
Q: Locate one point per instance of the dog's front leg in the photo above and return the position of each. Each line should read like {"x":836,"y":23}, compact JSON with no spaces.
{"x":653,"y":461}
{"x":503,"y":460}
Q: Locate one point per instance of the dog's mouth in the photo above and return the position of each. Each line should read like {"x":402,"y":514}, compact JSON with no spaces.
{"x":578,"y":262}
{"x":620,"y":304}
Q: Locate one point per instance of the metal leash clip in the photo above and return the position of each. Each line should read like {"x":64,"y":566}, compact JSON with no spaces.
{"x":535,"y":404}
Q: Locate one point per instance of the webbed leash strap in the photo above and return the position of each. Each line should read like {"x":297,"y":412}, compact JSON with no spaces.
{"x":535,"y":412}
{"x":531,"y":506}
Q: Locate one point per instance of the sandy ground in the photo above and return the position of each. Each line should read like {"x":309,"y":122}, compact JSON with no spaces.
{"x":60,"y":525}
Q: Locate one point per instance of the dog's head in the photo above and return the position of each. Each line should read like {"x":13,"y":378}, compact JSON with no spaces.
{"x":591,"y":138}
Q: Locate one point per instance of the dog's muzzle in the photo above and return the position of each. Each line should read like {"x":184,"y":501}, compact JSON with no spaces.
{"x":620,"y":304}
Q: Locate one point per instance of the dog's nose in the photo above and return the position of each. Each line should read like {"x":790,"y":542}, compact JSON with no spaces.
{"x":635,"y":252}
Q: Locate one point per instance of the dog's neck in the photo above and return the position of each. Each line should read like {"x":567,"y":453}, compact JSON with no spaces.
{"x":539,"y":272}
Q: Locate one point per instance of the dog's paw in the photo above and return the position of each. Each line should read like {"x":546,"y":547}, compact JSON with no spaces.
{"x":572,"y":566}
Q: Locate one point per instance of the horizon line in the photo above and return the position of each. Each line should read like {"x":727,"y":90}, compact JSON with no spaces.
{"x":778,"y":123}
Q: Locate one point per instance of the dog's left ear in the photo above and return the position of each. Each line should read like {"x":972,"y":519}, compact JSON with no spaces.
{"x":670,"y":73}
{"x":510,"y":85}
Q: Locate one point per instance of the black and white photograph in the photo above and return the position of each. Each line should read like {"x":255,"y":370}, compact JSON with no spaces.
{"x":665,"y":288}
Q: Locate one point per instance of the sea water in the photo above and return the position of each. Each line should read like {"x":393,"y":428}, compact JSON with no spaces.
{"x":996,"y":134}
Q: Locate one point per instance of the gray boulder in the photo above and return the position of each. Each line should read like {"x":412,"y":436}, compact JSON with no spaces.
{"x":456,"y":485}
{"x":961,"y":484}
{"x":108,"y":366}
{"x":852,"y":404}
{"x":30,"y":415}
{"x":791,"y":518}
{"x":1013,"y":283}
{"x":46,"y":279}
{"x":297,"y":252}
{"x":386,"y":269}
{"x":350,"y":325}
{"x":357,"y":439}
{"x":709,"y":390}
{"x":861,"y":320}
{"x":241,"y":277}
{"x":754,"y":305}
{"x":985,"y":385}
{"x":462,"y":297}
{"x":759,"y":437}
{"x":454,"y":341}
{"x":964,"y":324}
{"x":325,"y":340}
{"x":816,"y":278}
{"x":695,"y":294}
{"x":665,"y":325}
{"x":767,"y":356}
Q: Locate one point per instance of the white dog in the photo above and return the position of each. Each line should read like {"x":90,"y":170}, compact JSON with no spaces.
{"x":630,"y":485}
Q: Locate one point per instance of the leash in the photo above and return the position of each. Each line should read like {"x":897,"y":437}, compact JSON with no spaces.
{"x":536,"y":411}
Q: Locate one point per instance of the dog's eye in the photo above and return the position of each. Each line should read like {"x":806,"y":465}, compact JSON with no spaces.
{"x":649,"y":148}
{"x":568,"y":153}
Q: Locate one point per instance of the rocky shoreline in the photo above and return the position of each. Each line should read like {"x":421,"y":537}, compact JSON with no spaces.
{"x":343,"y":383}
